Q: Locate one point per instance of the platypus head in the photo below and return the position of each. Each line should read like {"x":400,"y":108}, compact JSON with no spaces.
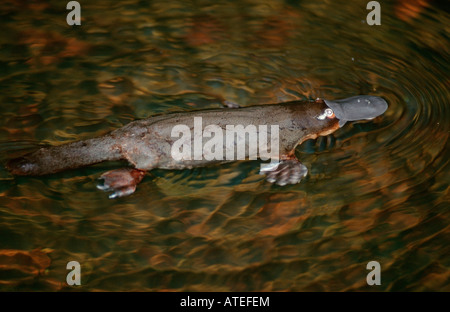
{"x":360,"y":107}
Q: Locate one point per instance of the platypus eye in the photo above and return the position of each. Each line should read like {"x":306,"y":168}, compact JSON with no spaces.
{"x":328,"y":113}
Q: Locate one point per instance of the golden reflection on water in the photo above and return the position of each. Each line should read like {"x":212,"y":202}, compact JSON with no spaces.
{"x":376,"y":190}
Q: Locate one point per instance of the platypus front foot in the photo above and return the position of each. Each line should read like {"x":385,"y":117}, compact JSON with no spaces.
{"x":289,"y":171}
{"x":121,"y":182}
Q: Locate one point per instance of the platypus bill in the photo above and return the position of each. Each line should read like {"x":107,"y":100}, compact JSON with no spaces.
{"x":147,"y":144}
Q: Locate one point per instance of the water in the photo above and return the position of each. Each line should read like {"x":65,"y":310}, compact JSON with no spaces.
{"x":376,"y":190}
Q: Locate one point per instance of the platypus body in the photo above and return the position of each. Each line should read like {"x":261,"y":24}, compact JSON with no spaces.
{"x":149,"y":143}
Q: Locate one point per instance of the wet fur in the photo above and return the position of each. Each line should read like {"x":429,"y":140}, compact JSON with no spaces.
{"x":147,"y":143}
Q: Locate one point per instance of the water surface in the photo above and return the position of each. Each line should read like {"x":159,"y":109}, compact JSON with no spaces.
{"x":376,"y":190}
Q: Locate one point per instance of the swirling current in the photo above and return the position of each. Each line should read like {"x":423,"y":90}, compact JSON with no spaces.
{"x":376,"y":190}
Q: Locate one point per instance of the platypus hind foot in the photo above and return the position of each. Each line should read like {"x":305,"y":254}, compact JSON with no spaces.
{"x":121,"y":182}
{"x":289,"y":171}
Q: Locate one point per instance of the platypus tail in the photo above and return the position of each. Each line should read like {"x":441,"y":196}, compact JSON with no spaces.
{"x":67,"y":156}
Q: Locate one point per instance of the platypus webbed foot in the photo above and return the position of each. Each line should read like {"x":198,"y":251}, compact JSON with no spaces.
{"x":289,"y":171}
{"x":121,"y":182}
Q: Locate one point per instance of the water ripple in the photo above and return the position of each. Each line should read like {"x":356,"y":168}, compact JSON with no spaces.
{"x":376,"y":190}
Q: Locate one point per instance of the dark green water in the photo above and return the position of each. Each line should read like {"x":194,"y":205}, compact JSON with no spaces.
{"x":377,"y":190}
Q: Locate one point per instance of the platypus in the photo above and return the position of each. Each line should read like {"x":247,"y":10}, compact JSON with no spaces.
{"x":155,"y":142}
